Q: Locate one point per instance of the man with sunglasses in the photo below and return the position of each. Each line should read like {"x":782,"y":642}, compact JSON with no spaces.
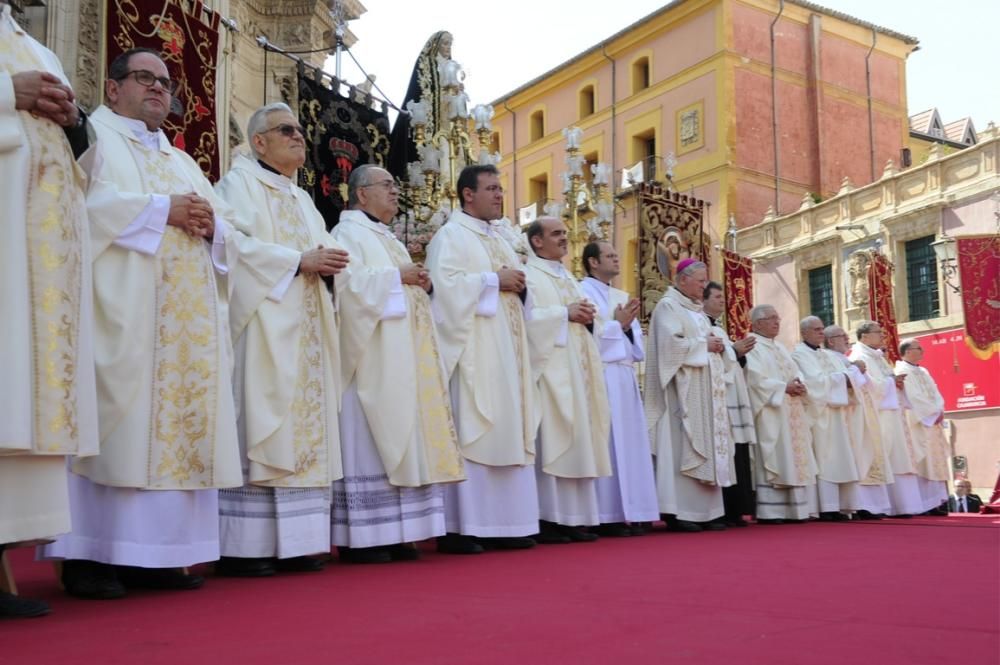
{"x":287,"y":364}
{"x":47,"y":407}
{"x":397,"y":434}
{"x":147,"y":506}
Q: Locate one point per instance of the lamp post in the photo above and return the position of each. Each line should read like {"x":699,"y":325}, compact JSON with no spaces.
{"x":577,"y":194}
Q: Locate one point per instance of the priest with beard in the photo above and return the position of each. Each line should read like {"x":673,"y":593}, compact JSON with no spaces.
{"x":685,"y":403}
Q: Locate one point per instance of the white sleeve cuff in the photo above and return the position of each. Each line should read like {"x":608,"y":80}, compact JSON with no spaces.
{"x":838,"y":391}
{"x":613,"y":343}
{"x":219,"y":247}
{"x":395,"y":305}
{"x":890,"y":400}
{"x":931,"y":420}
{"x":277,"y":294}
{"x":489,"y":297}
{"x":563,"y":336}
{"x":145,"y":232}
{"x":698,"y":356}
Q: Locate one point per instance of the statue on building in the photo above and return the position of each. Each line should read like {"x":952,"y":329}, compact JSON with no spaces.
{"x":857,"y":268}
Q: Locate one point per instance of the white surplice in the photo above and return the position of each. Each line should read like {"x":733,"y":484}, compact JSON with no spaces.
{"x":285,"y":380}
{"x":923,"y":417}
{"x":398,"y":433}
{"x":485,"y":351}
{"x":629,"y":493}
{"x":785,"y":465}
{"x":826,"y":402}
{"x":47,"y":405}
{"x":904,"y":492}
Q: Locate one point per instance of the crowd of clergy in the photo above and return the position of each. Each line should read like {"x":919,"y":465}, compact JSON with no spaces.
{"x":206,"y":374}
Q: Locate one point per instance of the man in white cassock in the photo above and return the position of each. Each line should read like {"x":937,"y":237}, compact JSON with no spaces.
{"x":785,"y":466}
{"x":738,"y":499}
{"x":904,"y":492}
{"x":397,"y":432}
{"x":685,"y":404}
{"x":47,"y":406}
{"x":287,"y":373}
{"x":148,"y":504}
{"x":627,"y":498}
{"x":924,"y":417}
{"x":571,"y":451}
{"x":827,"y":398}
{"x":870,"y":495}
{"x":478,"y":307}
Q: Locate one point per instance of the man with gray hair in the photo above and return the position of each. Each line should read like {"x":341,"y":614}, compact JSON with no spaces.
{"x":785,"y":465}
{"x":686,"y":411}
{"x":904,"y":492}
{"x":871,"y":498}
{"x":287,"y":363}
{"x":397,"y":432}
{"x":827,"y":399}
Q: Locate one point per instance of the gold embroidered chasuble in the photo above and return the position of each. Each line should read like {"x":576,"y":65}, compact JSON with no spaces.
{"x":926,"y":405}
{"x":678,"y":354}
{"x":47,"y":404}
{"x":288,"y":347}
{"x":784,"y":436}
{"x":395,"y":362}
{"x":902,"y":450}
{"x":864,"y":427}
{"x":576,"y":418}
{"x":826,"y":403}
{"x":485,"y":357}
{"x":163,"y":349}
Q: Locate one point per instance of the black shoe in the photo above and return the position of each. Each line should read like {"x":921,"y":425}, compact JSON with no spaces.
{"x":640,"y":528}
{"x":91,"y":580}
{"x":865,"y":515}
{"x":832,"y":516}
{"x":172,"y":579}
{"x":613,"y":530}
{"x":735,"y":521}
{"x":766,"y":521}
{"x":509,"y":543}
{"x":549,"y":533}
{"x":714,"y":525}
{"x":682,"y":526}
{"x":231,"y":566}
{"x":401,"y":552}
{"x":901,"y":516}
{"x":299,"y":564}
{"x":364,"y":554}
{"x":577,"y":534}
{"x":937,"y":512}
{"x":15,"y":607}
{"x":456,"y":543}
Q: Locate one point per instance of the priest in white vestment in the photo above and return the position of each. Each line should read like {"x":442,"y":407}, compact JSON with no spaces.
{"x":571,"y":450}
{"x":148,"y":504}
{"x":903,"y":452}
{"x":827,"y":398}
{"x":785,"y":466}
{"x":685,"y":404}
{"x":397,"y":432}
{"x":738,"y":499}
{"x":870,"y":494}
{"x":924,"y":418}
{"x":47,"y":407}
{"x":627,"y":498}
{"x":287,"y":374}
{"x":478,"y":307}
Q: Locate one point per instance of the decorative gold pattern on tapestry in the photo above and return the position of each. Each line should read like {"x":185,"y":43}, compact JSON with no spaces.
{"x":437,"y":423}
{"x":308,"y":409}
{"x":185,"y":349}
{"x":54,"y":229}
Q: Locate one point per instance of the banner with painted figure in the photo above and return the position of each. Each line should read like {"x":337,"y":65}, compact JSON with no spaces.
{"x":737,"y":272}
{"x":189,"y":45}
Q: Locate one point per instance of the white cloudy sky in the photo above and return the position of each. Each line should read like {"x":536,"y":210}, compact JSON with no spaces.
{"x":505,"y":44}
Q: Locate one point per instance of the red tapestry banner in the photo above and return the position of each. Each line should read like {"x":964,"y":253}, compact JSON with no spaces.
{"x":190,"y":48}
{"x":737,"y":272}
{"x":880,"y":305}
{"x":979,"y":270}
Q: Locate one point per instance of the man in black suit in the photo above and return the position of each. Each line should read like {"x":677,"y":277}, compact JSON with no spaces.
{"x":963,"y":501}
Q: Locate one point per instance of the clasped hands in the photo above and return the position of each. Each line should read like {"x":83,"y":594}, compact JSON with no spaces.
{"x":414,"y":274}
{"x":582,"y":311}
{"x":323,"y":261}
{"x":625,"y":314}
{"x":511,"y":279}
{"x":45,"y":95}
{"x":796,"y":388}
{"x":192,"y":214}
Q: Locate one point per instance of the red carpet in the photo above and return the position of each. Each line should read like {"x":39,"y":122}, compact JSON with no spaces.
{"x":914,"y":591}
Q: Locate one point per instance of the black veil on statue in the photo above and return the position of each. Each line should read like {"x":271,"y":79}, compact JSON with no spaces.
{"x":424,"y":86}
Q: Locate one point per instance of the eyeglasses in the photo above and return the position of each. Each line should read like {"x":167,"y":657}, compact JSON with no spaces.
{"x":287,"y":130}
{"x":773,"y":317}
{"x":146,"y":78}
{"x":387,"y":184}
{"x":494,"y":189}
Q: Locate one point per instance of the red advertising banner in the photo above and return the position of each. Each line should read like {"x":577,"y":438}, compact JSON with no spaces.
{"x":966,"y":382}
